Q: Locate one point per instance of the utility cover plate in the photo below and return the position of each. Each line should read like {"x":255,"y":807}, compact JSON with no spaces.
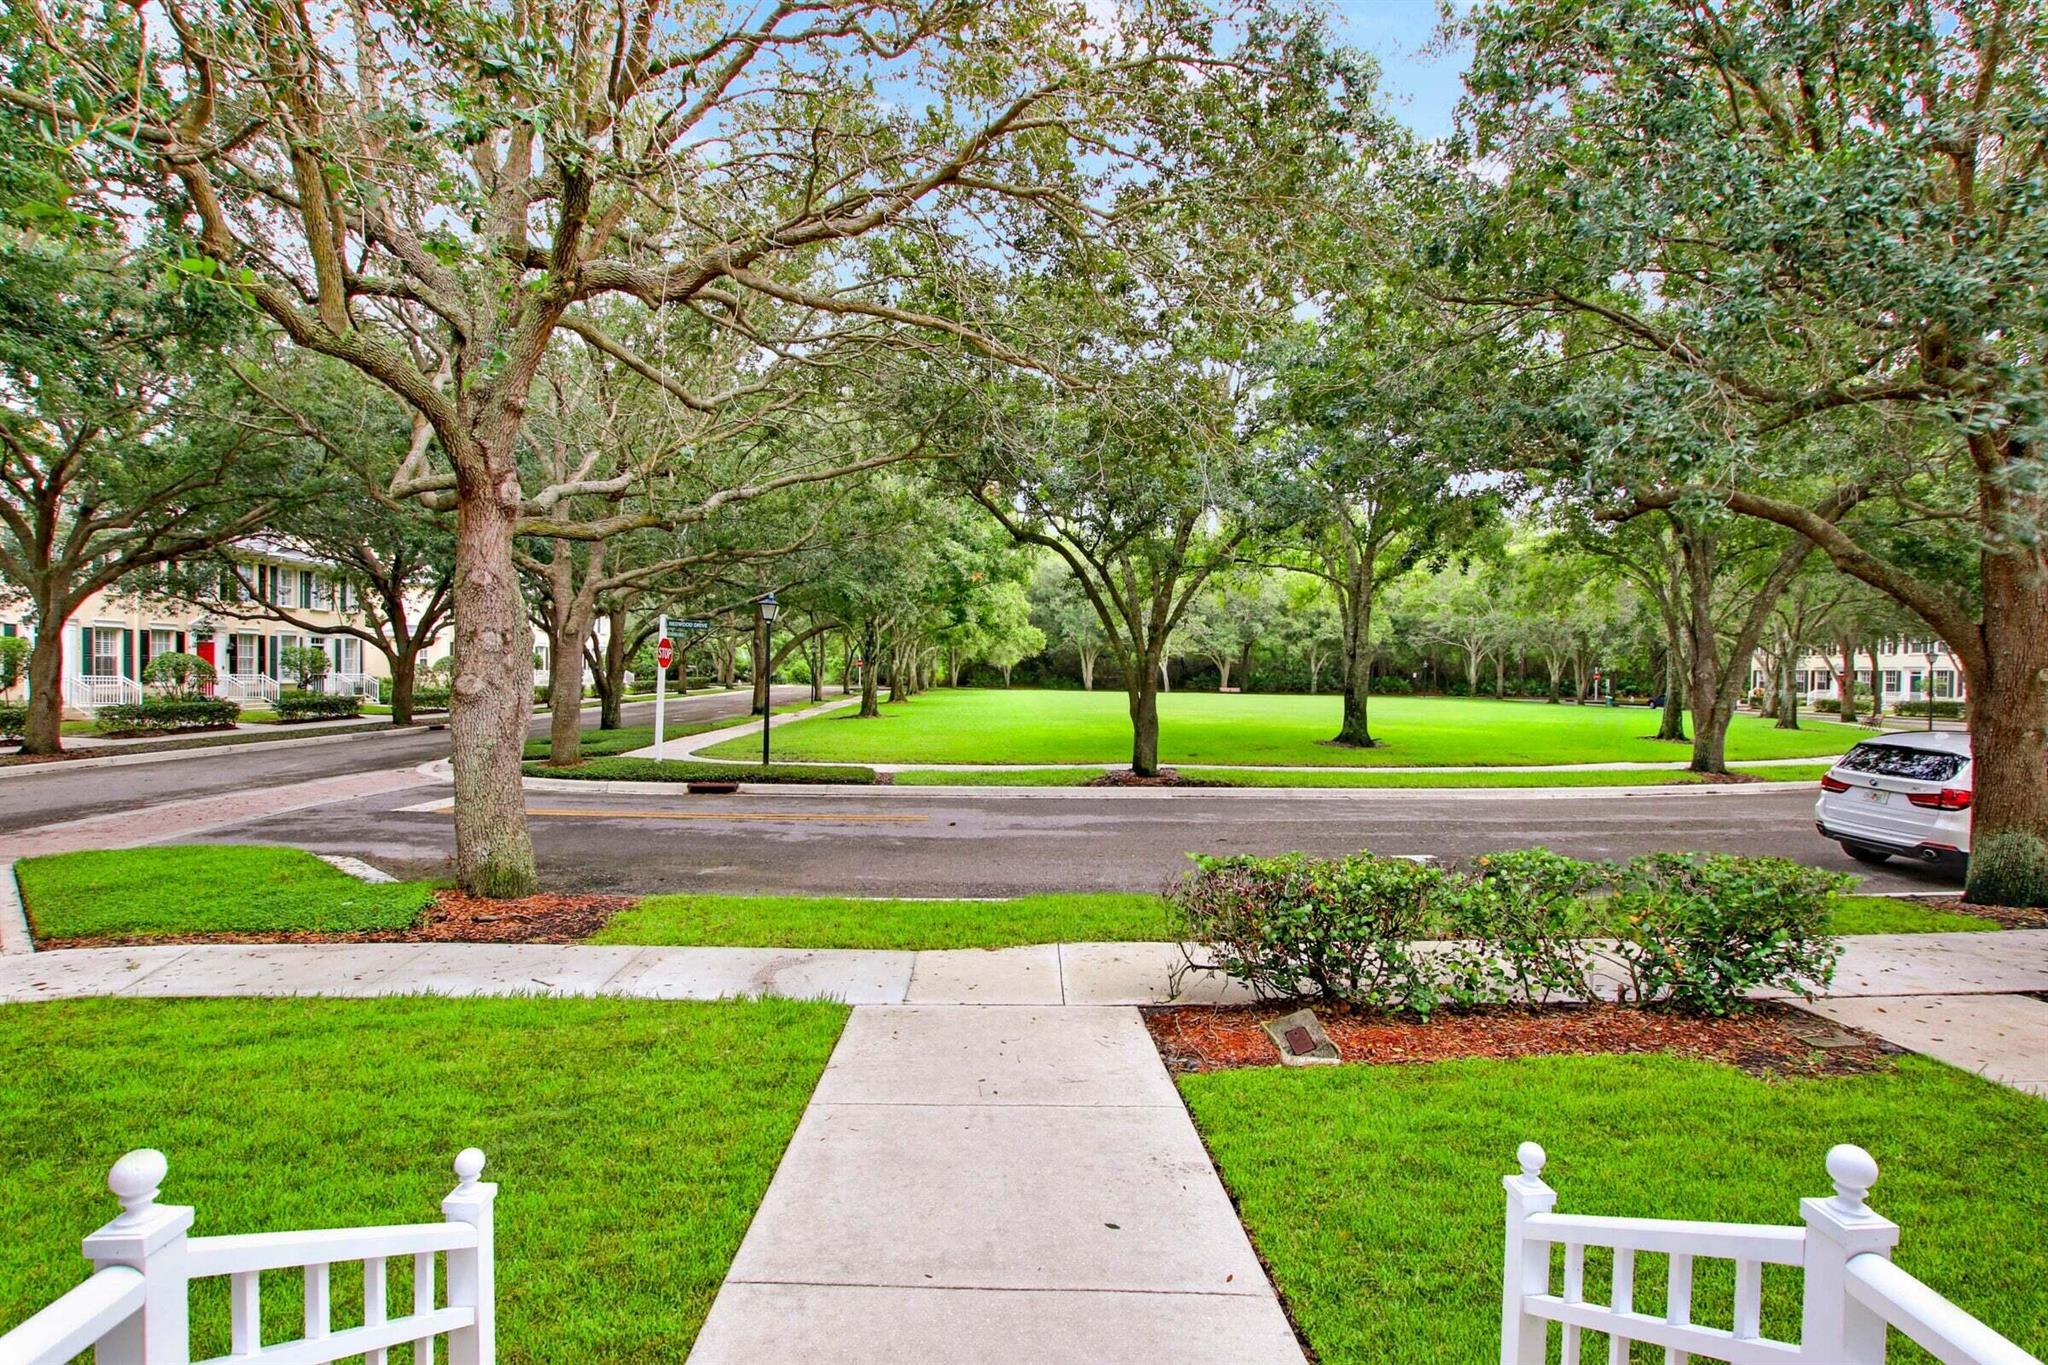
{"x":1301,"y":1040}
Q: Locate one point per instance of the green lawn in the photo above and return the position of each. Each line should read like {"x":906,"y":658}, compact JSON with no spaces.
{"x":1891,"y":915}
{"x":1349,"y":777}
{"x":1025,"y":726}
{"x":631,"y":1140}
{"x":830,"y":922}
{"x":205,"y":889}
{"x":1374,"y":1192}
{"x":1070,"y":917}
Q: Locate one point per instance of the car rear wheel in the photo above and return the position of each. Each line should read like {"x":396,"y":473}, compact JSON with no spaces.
{"x":1865,"y":855}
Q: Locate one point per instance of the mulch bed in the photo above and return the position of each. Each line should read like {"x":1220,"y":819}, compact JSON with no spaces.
{"x":452,"y":918}
{"x":1168,"y":777}
{"x":2004,"y":916}
{"x":1763,"y":1042}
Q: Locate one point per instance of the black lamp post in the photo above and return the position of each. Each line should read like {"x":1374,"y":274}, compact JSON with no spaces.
{"x":1931,"y":657}
{"x":769,"y":610}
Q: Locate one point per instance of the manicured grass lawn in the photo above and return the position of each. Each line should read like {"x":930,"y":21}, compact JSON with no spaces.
{"x":1374,"y":1192}
{"x":1024,"y":726}
{"x":602,"y":743}
{"x":631,"y":1140}
{"x":1349,"y":777}
{"x":1890,"y":915}
{"x":203,"y":889}
{"x":822,"y":922}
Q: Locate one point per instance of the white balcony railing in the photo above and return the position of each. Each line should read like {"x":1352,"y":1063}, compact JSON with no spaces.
{"x":246,"y":687}
{"x":91,"y":692}
{"x":1852,"y":1297}
{"x":135,"y":1309}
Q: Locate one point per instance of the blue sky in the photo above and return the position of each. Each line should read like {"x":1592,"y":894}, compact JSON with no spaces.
{"x":1421,"y":87}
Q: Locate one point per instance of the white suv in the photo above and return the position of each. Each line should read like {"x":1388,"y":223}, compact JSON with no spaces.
{"x":1906,"y":794}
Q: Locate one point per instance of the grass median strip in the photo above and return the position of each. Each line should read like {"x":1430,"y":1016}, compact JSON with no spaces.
{"x":1373,"y":1192}
{"x":1205,"y":728}
{"x":1240,"y":777}
{"x":632,"y":1141}
{"x":206,"y":889}
{"x":1073,"y":917}
{"x":675,"y":770}
{"x":831,"y":922}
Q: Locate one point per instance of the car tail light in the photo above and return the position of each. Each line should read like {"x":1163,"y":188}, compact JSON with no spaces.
{"x":1830,"y":783}
{"x":1948,"y":798}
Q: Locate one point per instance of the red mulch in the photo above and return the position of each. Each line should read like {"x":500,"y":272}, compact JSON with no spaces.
{"x":452,"y":918}
{"x":2004,"y":916}
{"x":1210,"y":1038}
{"x":1168,"y":777}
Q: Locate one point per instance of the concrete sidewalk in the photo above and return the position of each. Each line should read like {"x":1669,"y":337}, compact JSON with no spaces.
{"x":1876,"y":965}
{"x":1013,"y":1185}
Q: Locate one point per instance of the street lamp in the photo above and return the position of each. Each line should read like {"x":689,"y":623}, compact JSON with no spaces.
{"x":769,"y":610}
{"x":1930,"y":687}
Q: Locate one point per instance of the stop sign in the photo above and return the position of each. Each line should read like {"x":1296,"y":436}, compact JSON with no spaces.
{"x":665,"y":652}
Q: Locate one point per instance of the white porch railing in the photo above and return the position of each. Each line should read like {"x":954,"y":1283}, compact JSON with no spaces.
{"x":90,"y":693}
{"x":1852,"y":1298}
{"x":246,"y":687}
{"x":135,"y":1308}
{"x":349,"y":685}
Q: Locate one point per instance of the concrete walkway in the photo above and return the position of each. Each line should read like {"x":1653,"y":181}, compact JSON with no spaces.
{"x":973,"y":1184}
{"x":687,"y":746}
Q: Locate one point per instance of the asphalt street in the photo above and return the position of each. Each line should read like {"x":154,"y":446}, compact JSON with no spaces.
{"x":46,"y":794}
{"x":920,"y":843}
{"x":911,"y":841}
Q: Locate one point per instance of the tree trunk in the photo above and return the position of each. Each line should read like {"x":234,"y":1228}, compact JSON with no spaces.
{"x":43,"y":729}
{"x":405,"y":672}
{"x":1876,"y":686}
{"x":1144,"y":695}
{"x":2008,"y":711}
{"x":1006,"y":674}
{"x":1847,"y":686}
{"x":763,"y":665}
{"x":1087,"y":670}
{"x":1223,"y":675}
{"x":612,"y":677}
{"x":1244,"y":669}
{"x":1354,"y":729}
{"x":870,"y":691}
{"x":1788,"y":691}
{"x":817,"y":669}
{"x":492,"y":698}
{"x":1500,"y":674}
{"x":1671,"y":724}
{"x":565,"y":701}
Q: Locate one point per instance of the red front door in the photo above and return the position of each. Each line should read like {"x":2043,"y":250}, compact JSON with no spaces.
{"x":205,"y":648}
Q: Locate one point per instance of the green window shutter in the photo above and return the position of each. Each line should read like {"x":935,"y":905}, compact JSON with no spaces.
{"x":84,"y":650}
{"x":127,"y":653}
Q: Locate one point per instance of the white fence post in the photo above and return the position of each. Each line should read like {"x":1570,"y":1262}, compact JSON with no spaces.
{"x":471,"y":1273}
{"x":1522,"y":1336}
{"x":150,"y":1237}
{"x":1833,"y":1325}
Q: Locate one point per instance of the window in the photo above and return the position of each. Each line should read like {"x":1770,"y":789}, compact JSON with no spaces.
{"x":321,"y":589}
{"x":1944,"y":682}
{"x":1896,"y":760}
{"x":1891,"y":680}
{"x":106,"y":652}
{"x":160,"y":641}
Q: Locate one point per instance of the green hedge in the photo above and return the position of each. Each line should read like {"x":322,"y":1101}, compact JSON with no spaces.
{"x":1689,"y":932}
{"x":292,"y":706}
{"x":667,"y":770}
{"x":13,"y":720}
{"x":1949,"y":710}
{"x":167,"y":715}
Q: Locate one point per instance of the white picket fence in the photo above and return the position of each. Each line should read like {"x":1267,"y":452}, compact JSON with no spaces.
{"x":362,"y":685}
{"x":1852,"y":1297}
{"x":135,"y":1308}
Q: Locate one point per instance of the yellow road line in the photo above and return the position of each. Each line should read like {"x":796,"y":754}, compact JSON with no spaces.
{"x":770,"y":816}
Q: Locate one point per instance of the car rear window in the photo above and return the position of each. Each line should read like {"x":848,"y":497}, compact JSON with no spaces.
{"x":1896,"y":760}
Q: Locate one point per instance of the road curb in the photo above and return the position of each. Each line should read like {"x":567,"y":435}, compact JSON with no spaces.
{"x":14,"y":932}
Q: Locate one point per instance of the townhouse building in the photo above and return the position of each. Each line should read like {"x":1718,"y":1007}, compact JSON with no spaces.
{"x":1902,"y":671}
{"x":114,"y":633}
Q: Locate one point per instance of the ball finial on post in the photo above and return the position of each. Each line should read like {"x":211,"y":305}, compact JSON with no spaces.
{"x":1531,"y":1158}
{"x":1854,"y":1171}
{"x":135,"y":1180}
{"x":469,"y":1164}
